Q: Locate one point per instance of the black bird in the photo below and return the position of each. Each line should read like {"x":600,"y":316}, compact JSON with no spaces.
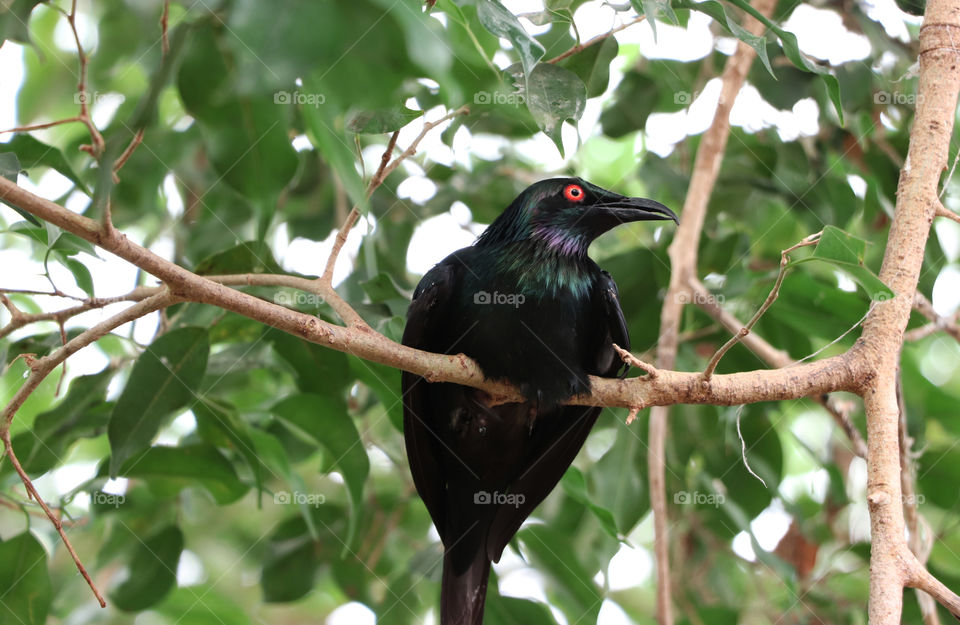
{"x":527,"y":303}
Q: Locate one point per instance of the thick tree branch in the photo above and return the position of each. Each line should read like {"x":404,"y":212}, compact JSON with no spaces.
{"x":683,"y":267}
{"x":837,"y":373}
{"x":892,"y":565}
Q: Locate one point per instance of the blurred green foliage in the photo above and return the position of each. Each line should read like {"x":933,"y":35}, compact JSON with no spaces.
{"x":290,"y":495}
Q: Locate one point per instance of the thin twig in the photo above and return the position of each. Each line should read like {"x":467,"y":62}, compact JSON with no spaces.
{"x":925,"y":307}
{"x":943,"y":211}
{"x":633,"y":361}
{"x":346,"y":312}
{"x":56,"y":293}
{"x":20,"y":319}
{"x":97,"y":139}
{"x":774,"y":293}
{"x":164,"y":27}
{"x":126,"y":154}
{"x":43,"y":125}
{"x":39,"y":370}
{"x":580,"y":47}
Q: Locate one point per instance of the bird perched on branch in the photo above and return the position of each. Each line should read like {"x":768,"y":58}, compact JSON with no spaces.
{"x":527,"y":303}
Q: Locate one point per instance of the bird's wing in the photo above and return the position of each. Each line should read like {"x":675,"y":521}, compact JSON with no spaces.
{"x":609,"y":298}
{"x":558,"y":437}
{"x":430,"y":301}
{"x":560,"y":433}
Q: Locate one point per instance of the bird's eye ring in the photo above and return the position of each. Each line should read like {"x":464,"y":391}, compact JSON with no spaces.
{"x":574,"y":193}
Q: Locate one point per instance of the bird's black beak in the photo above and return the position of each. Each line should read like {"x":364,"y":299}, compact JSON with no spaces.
{"x":626,"y":209}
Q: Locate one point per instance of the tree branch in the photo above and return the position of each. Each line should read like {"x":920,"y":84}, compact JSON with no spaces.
{"x":925,"y":307}
{"x":683,"y":267}
{"x":39,"y":370}
{"x":20,"y":319}
{"x":892,"y":565}
{"x":580,"y":47}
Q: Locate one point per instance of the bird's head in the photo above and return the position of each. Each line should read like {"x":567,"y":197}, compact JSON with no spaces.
{"x":567,"y":214}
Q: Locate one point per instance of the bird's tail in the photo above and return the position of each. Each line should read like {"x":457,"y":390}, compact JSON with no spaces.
{"x":462,"y":593}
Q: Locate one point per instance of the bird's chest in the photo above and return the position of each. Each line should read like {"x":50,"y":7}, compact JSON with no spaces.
{"x":535,"y":340}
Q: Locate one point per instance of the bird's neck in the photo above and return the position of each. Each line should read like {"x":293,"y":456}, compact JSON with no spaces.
{"x":549,"y":264}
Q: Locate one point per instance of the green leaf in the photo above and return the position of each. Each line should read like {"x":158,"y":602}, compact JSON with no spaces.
{"x":716,"y":11}
{"x":501,"y":610}
{"x":164,"y":379}
{"x":502,"y":23}
{"x":80,"y":414}
{"x":10,"y":169}
{"x":246,"y":136}
{"x":655,"y":10}
{"x":289,"y":573}
{"x":152,"y":571}
{"x":182,"y":607}
{"x":317,"y":369}
{"x":554,"y":95}
{"x":33,"y":153}
{"x":575,"y":485}
{"x":554,"y":553}
{"x":384,"y":381}
{"x":171,"y":469}
{"x":69,"y":244}
{"x":326,"y":133}
{"x":26,"y":582}
{"x":14,"y":17}
{"x":847,"y":252}
{"x":225,"y":419}
{"x":81,"y":274}
{"x":792,"y":49}
{"x":592,"y":65}
{"x":382,"y":121}
{"x":246,"y":257}
{"x":327,"y":423}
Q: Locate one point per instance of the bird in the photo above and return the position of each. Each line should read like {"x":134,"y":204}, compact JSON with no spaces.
{"x":531,"y":308}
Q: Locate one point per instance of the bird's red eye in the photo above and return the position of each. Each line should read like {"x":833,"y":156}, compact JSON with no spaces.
{"x":574,"y":193}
